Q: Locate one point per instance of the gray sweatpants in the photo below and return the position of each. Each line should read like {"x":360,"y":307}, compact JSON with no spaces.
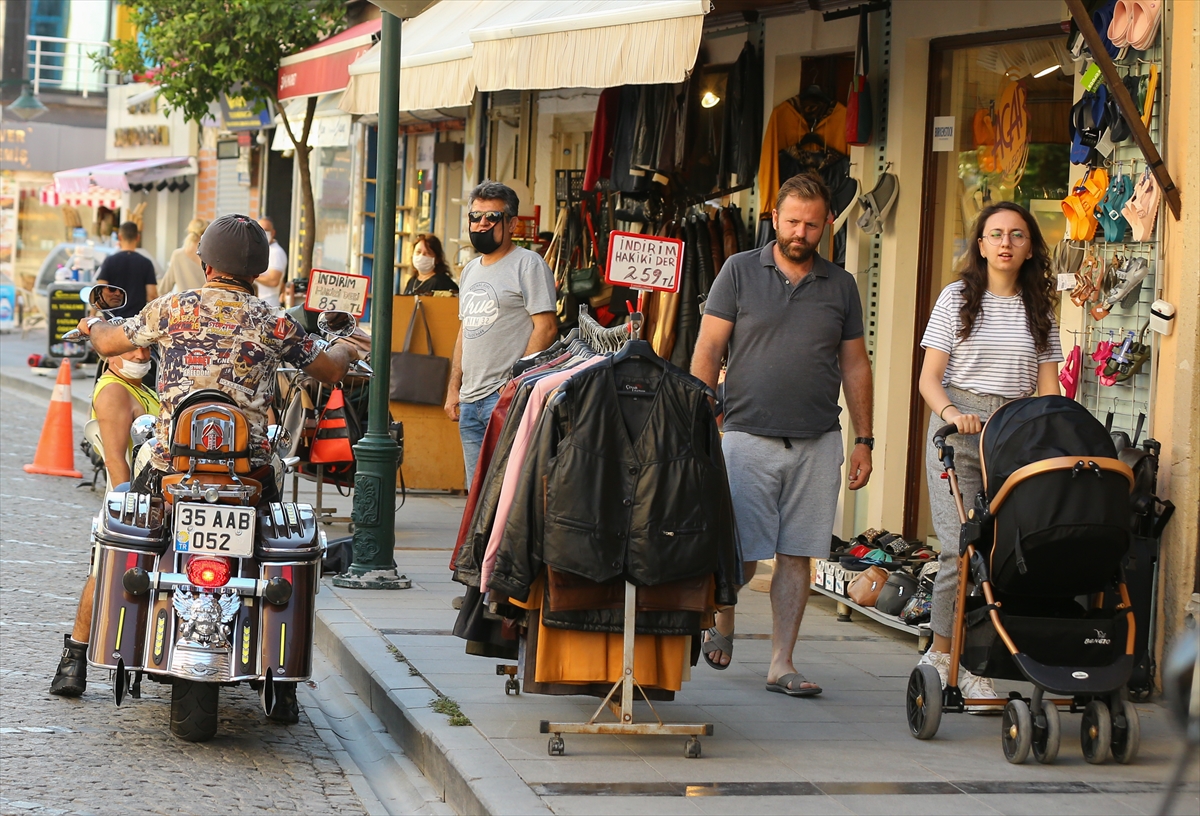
{"x":941,"y":502}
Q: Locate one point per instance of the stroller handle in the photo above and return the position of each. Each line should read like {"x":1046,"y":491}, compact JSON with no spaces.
{"x":939,"y":437}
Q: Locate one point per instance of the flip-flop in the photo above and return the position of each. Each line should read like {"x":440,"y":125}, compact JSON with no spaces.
{"x":716,"y":642}
{"x":1148,"y":104}
{"x":783,"y":686}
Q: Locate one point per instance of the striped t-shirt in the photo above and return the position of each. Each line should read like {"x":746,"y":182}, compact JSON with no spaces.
{"x":998,"y":357}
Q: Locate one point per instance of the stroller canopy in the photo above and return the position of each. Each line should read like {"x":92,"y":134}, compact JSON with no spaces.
{"x":1035,"y":428}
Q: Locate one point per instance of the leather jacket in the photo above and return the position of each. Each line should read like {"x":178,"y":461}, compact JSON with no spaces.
{"x":598,"y":502}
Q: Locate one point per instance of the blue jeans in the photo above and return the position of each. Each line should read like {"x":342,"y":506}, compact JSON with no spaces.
{"x":472,"y":422}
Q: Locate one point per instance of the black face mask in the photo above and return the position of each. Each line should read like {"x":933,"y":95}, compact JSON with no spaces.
{"x":485,"y":243}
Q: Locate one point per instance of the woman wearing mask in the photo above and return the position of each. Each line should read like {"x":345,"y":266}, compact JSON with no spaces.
{"x":992,"y":338}
{"x":433,"y":274}
{"x":183,"y":271}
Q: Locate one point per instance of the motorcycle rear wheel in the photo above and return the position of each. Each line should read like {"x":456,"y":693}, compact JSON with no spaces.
{"x":194,"y":710}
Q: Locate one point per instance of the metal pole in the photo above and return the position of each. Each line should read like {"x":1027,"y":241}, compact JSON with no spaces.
{"x":376,"y":453}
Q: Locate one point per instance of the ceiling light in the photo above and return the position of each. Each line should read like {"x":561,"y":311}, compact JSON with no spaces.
{"x":709,"y":100}
{"x":1046,"y":71}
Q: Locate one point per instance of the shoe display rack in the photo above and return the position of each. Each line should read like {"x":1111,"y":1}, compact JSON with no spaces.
{"x":831,"y":580}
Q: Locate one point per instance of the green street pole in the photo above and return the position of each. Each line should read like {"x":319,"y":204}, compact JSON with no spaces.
{"x":376,"y":454}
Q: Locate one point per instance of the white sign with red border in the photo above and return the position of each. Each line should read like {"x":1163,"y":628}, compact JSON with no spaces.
{"x":644,"y":261}
{"x":337,"y":291}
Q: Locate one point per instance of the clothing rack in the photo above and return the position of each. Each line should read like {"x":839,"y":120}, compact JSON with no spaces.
{"x":592,"y":332}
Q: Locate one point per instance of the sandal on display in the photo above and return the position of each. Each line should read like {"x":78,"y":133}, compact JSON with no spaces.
{"x":1069,"y":375}
{"x":1139,"y":355}
{"x":716,"y":642}
{"x":876,"y":204}
{"x":1148,"y":102}
{"x":1118,"y":27}
{"x":1143,"y":23}
{"x":1120,"y":189}
{"x":792,"y":685}
{"x":1087,"y":124}
{"x":1102,"y":19}
{"x":1101,"y":355}
{"x":1136,"y":270}
{"x":1068,"y":257}
{"x":1080,"y":206}
{"x":1142,"y":208}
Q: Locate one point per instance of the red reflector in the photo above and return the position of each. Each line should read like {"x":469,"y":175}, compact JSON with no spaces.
{"x":944,"y":476}
{"x":208,"y":572}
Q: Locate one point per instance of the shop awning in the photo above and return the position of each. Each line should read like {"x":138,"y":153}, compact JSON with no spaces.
{"x":93,"y":197}
{"x":494,"y":45}
{"x":323,"y":68}
{"x":118,"y":175}
{"x":586,"y":43}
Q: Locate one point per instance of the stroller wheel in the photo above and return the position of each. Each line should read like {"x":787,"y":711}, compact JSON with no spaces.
{"x":1016,"y":733}
{"x":923,"y":702}
{"x":1126,"y":733}
{"x":1047,"y":734}
{"x":1095,"y":732}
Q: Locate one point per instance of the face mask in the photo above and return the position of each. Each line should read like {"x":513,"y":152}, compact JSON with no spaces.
{"x":485,"y":243}
{"x":133,"y":370}
{"x":424,"y":263}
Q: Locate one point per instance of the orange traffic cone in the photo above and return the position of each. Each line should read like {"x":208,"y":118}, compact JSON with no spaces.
{"x":332,"y":442}
{"x":56,"y":451}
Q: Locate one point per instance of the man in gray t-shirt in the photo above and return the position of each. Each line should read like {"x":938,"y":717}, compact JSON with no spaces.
{"x":789,"y":323}
{"x":506,"y":303}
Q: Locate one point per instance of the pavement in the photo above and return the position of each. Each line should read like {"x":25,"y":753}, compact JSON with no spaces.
{"x":847,"y":751}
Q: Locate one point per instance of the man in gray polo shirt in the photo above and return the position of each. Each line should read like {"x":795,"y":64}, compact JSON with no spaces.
{"x":790,"y":324}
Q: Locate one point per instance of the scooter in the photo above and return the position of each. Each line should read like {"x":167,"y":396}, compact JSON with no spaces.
{"x":204,"y":584}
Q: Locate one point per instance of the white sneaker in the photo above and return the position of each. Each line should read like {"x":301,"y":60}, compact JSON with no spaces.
{"x":972,"y":686}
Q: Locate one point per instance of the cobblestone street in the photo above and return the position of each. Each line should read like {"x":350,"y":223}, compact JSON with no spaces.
{"x":87,"y":756}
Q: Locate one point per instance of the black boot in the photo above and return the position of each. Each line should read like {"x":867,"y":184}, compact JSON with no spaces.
{"x":286,"y":710}
{"x":71,"y":678}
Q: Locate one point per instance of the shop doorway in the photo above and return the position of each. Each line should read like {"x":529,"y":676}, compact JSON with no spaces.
{"x":1001,"y":104}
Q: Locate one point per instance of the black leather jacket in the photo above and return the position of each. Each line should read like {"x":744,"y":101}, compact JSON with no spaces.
{"x":597,"y":503}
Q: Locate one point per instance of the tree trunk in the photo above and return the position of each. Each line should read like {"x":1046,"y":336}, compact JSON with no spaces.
{"x":307,"y":224}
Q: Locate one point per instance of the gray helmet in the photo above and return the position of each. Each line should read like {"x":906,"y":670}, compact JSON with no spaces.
{"x":235,"y":245}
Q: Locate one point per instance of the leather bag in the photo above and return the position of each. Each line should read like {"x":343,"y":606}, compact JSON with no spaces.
{"x":864,"y":590}
{"x":419,"y":378}
{"x":896,"y":591}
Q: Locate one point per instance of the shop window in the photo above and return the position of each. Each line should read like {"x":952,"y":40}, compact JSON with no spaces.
{"x":1000,"y":133}
{"x":331,"y":188}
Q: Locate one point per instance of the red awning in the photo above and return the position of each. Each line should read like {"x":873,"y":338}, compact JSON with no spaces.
{"x":324,"y":67}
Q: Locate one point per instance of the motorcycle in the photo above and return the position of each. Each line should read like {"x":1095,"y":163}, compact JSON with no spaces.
{"x":202,"y":584}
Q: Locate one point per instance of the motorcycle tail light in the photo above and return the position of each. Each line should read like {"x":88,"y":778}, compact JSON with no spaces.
{"x":208,"y":572}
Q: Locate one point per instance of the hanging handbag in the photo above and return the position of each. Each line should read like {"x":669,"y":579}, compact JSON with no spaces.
{"x":420,"y":378}
{"x":583,"y":281}
{"x":864,"y":590}
{"x":858,"y":105}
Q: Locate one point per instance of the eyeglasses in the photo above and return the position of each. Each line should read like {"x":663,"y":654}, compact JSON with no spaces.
{"x":491,"y":216}
{"x":1017,"y":237}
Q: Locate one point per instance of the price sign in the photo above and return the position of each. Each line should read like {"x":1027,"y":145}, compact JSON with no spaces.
{"x":644,"y":261}
{"x":337,"y":291}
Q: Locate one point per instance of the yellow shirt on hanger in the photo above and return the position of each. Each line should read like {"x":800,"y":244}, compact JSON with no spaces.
{"x":787,"y":127}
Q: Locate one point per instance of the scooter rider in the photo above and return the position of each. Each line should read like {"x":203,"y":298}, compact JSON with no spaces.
{"x":118,"y":398}
{"x":223,"y":337}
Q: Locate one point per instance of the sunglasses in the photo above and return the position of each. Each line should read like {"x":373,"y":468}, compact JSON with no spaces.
{"x":490,"y":216}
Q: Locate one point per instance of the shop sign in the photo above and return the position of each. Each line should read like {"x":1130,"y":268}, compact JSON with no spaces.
{"x":1012,"y":132}
{"x":644,"y":261}
{"x":943,"y":134}
{"x":338,"y":291}
{"x":238,"y":113}
{"x":144,"y":136}
{"x":66,"y":310}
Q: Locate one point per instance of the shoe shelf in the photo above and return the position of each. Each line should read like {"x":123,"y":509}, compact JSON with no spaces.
{"x":845,"y":607}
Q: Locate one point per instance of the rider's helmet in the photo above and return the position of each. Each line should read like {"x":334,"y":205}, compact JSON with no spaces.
{"x":235,"y":245}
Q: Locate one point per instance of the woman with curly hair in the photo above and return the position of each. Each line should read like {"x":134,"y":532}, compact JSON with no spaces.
{"x":991,"y":338}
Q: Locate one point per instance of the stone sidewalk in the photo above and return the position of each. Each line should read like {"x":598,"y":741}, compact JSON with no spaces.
{"x":847,"y":751}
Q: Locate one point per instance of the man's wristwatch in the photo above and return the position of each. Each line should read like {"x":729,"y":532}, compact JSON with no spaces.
{"x":869,"y":441}
{"x":92,"y":321}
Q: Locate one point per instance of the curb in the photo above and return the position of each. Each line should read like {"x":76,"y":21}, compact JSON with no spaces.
{"x":458,"y":760}
{"x":36,"y":389}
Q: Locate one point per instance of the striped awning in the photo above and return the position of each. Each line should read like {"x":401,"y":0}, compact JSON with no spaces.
{"x":94,"y":197}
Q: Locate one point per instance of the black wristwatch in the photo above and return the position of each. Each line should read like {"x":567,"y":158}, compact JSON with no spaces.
{"x":869,"y":441}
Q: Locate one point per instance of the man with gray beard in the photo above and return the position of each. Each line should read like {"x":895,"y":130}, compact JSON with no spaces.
{"x":506,"y":305}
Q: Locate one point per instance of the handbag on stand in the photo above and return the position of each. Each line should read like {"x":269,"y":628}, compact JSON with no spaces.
{"x":419,"y":378}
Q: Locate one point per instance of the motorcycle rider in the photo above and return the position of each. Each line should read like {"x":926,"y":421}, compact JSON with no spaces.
{"x":118,"y":398}
{"x":223,"y":337}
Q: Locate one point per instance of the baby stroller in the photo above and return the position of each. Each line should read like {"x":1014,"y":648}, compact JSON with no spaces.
{"x":1050,"y":525}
